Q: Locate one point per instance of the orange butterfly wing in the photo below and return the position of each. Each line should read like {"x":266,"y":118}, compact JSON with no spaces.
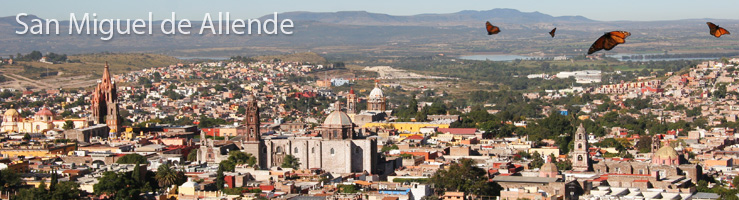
{"x":716,"y":31}
{"x":608,"y":41}
{"x":552,"y":32}
{"x":491,"y":29}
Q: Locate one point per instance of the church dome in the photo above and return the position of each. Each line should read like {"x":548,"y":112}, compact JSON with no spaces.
{"x":376,"y":93}
{"x":666,"y":152}
{"x":549,"y":168}
{"x":338,"y":118}
{"x":44,"y":112}
{"x":11,"y":113}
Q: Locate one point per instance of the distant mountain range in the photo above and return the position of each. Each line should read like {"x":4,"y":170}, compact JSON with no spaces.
{"x":370,"y":34}
{"x":500,"y":15}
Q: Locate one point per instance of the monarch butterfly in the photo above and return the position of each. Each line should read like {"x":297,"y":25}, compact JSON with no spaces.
{"x":608,"y":41}
{"x":717,"y":31}
{"x":491,"y":29}
{"x":552,"y":32}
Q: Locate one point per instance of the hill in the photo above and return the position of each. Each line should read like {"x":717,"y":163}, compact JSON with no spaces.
{"x":305,"y":57}
{"x":349,"y":34}
{"x":32,"y":75}
{"x":464,"y":18}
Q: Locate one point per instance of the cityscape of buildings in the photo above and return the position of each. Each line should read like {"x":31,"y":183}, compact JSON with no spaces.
{"x":266,"y":136}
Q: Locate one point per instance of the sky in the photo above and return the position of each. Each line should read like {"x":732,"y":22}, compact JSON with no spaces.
{"x":635,"y":10}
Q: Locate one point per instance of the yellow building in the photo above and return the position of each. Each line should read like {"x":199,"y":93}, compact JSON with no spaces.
{"x":41,"y":122}
{"x":43,"y":150}
{"x":409,"y":127}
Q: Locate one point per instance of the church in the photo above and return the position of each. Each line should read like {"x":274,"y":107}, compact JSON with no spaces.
{"x":338,"y":149}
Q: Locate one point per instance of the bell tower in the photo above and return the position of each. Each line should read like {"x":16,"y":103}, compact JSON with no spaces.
{"x":251,"y":120}
{"x":351,"y":102}
{"x":580,"y":157}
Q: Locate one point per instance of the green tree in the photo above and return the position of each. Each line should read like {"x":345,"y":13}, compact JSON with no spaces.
{"x":537,"y":161}
{"x":26,"y":137}
{"x":66,"y":190}
{"x":33,"y":193}
{"x":166,"y":176}
{"x":54,"y":180}
{"x":68,"y":125}
{"x":220,"y":177}
{"x":464,"y":177}
{"x":290,"y":161}
{"x":9,"y":180}
{"x":132,"y":159}
{"x":193,"y":155}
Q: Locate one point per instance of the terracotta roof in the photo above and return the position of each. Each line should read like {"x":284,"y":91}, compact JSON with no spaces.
{"x":267,"y":187}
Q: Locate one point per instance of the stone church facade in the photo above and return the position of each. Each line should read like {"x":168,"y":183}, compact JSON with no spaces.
{"x":339,"y":149}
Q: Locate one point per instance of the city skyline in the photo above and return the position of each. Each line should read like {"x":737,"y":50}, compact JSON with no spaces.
{"x":629,"y":10}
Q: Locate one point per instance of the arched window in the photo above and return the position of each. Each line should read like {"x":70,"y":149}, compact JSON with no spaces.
{"x":295,"y":150}
{"x":313,"y":150}
{"x":279,"y":150}
{"x":579,"y":136}
{"x":579,"y":158}
{"x":332,"y":151}
{"x":579,"y":146}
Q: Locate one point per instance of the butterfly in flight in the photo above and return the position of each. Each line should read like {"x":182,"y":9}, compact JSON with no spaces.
{"x":492,"y":29}
{"x":608,"y":41}
{"x":717,"y":31}
{"x":552,"y":32}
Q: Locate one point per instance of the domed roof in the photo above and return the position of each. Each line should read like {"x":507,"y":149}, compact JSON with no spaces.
{"x":44,"y":112}
{"x":376,"y":93}
{"x":666,"y":152}
{"x":549,"y":167}
{"x":189,"y":184}
{"x":338,"y":118}
{"x":11,"y":113}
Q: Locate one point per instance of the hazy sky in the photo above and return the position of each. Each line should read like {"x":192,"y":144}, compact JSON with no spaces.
{"x":641,"y":10}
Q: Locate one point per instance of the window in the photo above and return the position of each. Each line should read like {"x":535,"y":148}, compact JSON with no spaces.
{"x":332,"y":151}
{"x":579,"y":136}
{"x":579,"y":158}
{"x":279,"y":150}
{"x":313,"y":150}
{"x":579,"y":146}
{"x":295,"y":150}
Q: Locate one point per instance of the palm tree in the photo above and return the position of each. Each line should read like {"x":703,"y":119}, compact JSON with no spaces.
{"x":166,"y":176}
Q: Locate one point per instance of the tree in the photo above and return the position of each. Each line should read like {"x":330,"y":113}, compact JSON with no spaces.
{"x":220,"y":177}
{"x":26,"y":136}
{"x":193,"y":155}
{"x":9,"y":180}
{"x":123,"y":186}
{"x":537,"y":161}
{"x":63,"y":190}
{"x":33,"y":193}
{"x":54,"y":180}
{"x":237,"y":158}
{"x":464,"y":177}
{"x":166,"y":176}
{"x":68,"y":125}
{"x":132,"y":159}
{"x":290,"y":161}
